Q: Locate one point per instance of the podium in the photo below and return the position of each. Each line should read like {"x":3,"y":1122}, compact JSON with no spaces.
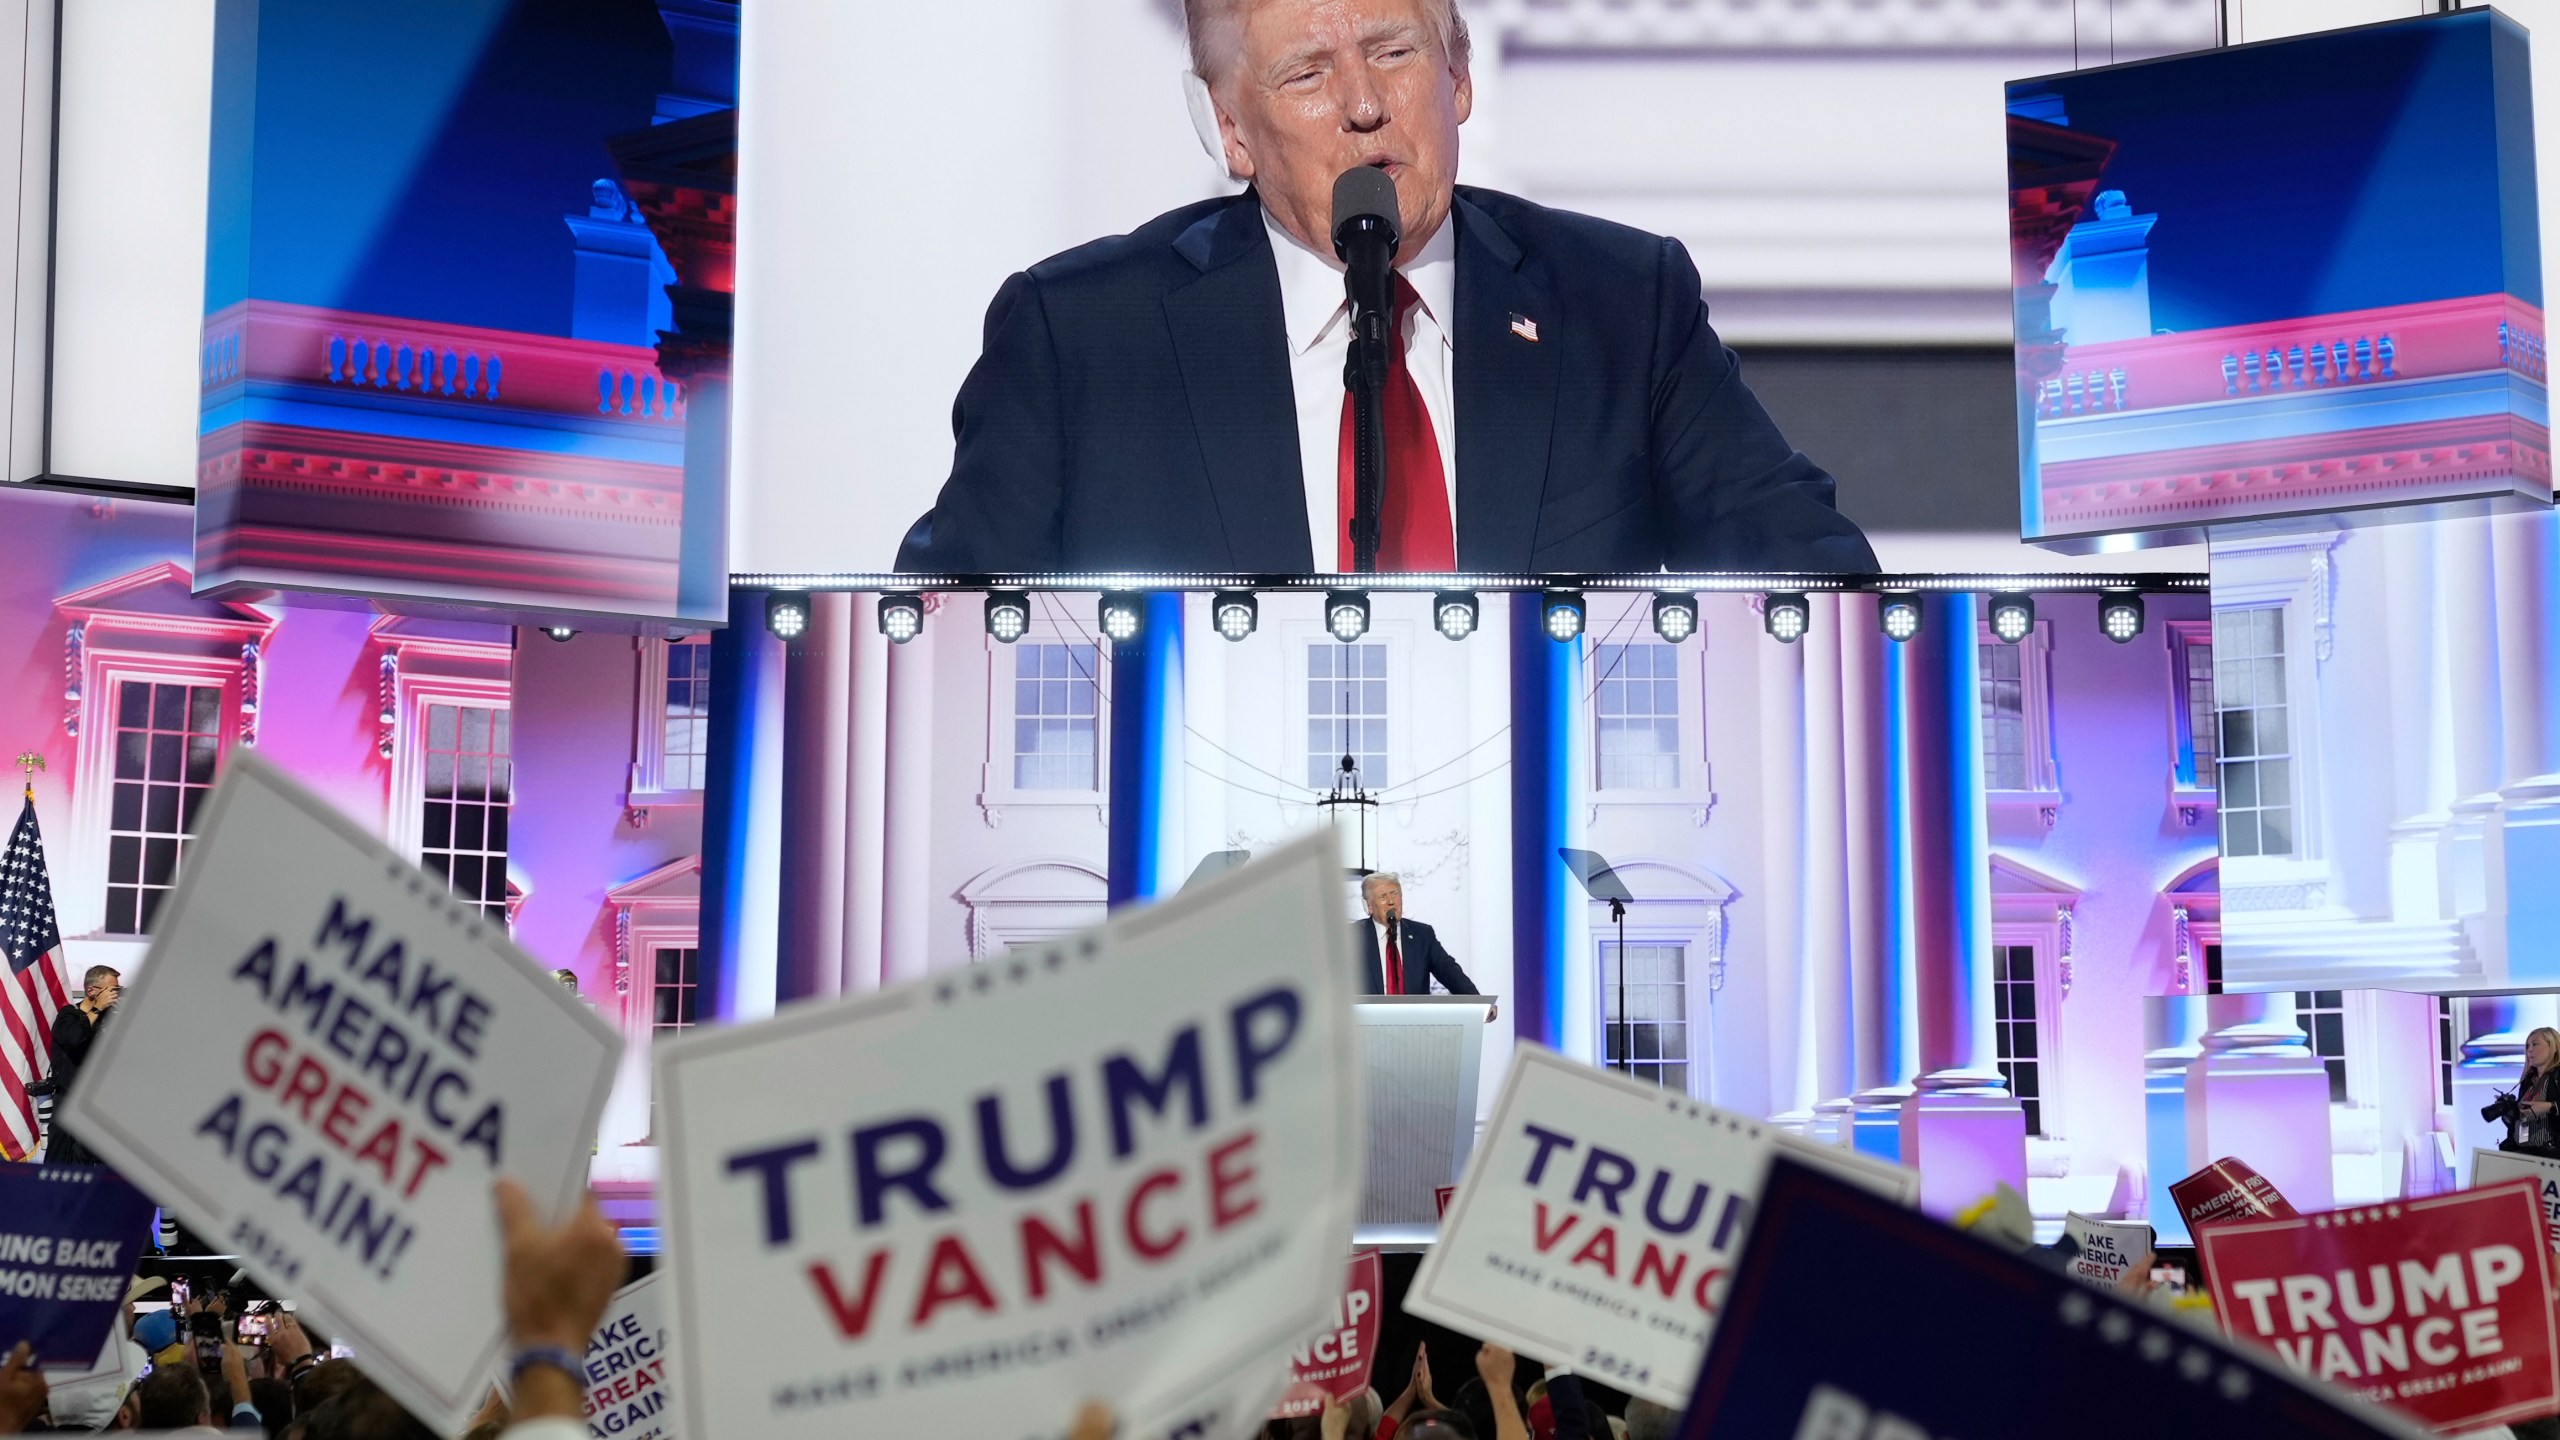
{"x":1419,"y":1055}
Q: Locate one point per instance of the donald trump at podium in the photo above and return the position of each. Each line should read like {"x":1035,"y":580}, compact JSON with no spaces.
{"x":1173,"y":398}
{"x":1400,"y":956}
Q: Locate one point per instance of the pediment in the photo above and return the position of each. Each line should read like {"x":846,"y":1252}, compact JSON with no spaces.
{"x":163,"y":595}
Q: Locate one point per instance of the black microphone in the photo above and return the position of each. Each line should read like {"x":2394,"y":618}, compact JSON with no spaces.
{"x":1368,"y":223}
{"x":1367,"y":227}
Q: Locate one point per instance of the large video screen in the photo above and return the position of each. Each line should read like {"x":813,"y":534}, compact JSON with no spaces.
{"x":2389,"y":730}
{"x":2278,"y":280}
{"x":467,"y":294}
{"x":1847,"y":861}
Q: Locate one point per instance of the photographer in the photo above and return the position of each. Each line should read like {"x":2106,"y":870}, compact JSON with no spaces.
{"x":75,"y":1029}
{"x":2528,"y":1113}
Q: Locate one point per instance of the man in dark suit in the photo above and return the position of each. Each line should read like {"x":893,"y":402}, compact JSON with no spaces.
{"x":1172,"y":398}
{"x":1400,"y":956}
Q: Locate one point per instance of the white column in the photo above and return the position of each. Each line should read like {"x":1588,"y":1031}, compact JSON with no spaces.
{"x":2258,"y":1094}
{"x":866,"y":807}
{"x":906,"y":901}
{"x":1204,"y":710}
{"x":1862,"y":710}
{"x":2421,"y":751}
{"x":1829,"y":1043}
{"x":815,"y":745}
{"x":2523,"y":849}
{"x":2527,"y":630}
{"x":2466,"y":600}
{"x":1781,"y":674}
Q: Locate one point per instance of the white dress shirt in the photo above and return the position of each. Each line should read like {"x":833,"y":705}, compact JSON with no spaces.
{"x":1378,"y":933}
{"x":1317,"y":316}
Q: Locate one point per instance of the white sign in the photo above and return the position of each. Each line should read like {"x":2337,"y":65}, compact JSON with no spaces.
{"x":1600,"y":1219}
{"x":1121,"y":1165}
{"x":2488,"y":1167}
{"x":2107,"y":1247}
{"x":326,"y":1061}
{"x":627,"y":1367}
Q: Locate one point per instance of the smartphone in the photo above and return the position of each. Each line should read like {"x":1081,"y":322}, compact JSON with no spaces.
{"x":178,"y":1294}
{"x":256,"y":1325}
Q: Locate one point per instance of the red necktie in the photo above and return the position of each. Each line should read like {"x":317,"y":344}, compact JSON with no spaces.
{"x":1414,"y":530}
{"x":1395,"y":964}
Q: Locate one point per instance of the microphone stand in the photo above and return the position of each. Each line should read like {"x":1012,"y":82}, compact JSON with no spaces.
{"x":1364,"y":376}
{"x":1627,"y":1047}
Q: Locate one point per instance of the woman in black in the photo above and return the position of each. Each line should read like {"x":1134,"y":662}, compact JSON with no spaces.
{"x":2538,"y":1094}
{"x":75,"y":1029}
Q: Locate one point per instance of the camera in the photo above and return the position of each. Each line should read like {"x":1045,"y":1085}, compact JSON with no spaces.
{"x":2503,"y":1108}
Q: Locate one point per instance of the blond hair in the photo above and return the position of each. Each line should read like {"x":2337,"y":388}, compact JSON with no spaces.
{"x":2549,"y":1037}
{"x":1215,"y":30}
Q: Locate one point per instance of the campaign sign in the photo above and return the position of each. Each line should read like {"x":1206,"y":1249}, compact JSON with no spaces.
{"x":2488,"y":1167}
{"x":2227,"y":1189}
{"x":2438,"y":1306}
{"x":1599,"y":1218}
{"x":627,"y":1367}
{"x":1122,"y":1164}
{"x":326,"y":1061}
{"x":69,"y":1235}
{"x":1335,"y":1364}
{"x":1851,"y":1318}
{"x":2108,"y":1248}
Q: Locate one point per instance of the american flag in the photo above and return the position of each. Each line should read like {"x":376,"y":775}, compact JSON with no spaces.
{"x":33,"y":988}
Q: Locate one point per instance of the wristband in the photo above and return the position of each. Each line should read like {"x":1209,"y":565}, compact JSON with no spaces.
{"x":552,"y":1357}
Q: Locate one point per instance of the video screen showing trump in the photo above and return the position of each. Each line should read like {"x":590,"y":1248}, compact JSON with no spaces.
{"x":1352,"y":361}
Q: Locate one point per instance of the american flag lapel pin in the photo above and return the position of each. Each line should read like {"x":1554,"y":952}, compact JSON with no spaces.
{"x":1524,"y":327}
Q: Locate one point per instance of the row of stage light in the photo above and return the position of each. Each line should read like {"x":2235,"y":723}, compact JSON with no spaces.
{"x":1786,"y":615}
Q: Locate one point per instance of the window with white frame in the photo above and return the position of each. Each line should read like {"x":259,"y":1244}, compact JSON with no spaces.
{"x":1346,"y":712}
{"x":685,"y":726}
{"x":2322,"y":1014}
{"x":1644,"y":997}
{"x":2014,"y":1010}
{"x":671,"y":732}
{"x":2255,"y":749}
{"x":1057,"y":710}
{"x":167,"y":741}
{"x":2004,"y":718}
{"x":1638,"y":721}
{"x":2017,"y":711}
{"x":2191,"y":693}
{"x":469,"y":781}
{"x":161,"y":683}
{"x":675,"y":989}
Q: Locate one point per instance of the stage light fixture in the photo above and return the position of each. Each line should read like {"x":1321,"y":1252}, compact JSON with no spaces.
{"x":561,"y":633}
{"x":1454,"y":612}
{"x":1235,"y":613}
{"x":1123,"y":614}
{"x":1561,"y":613}
{"x":1785,"y":616}
{"x":1675,"y":616}
{"x":901,"y":616}
{"x":1346,"y":614}
{"x":1008,"y":615}
{"x":2012,"y":616}
{"x":2120,"y":615}
{"x":1899,"y":616}
{"x":786,"y":613}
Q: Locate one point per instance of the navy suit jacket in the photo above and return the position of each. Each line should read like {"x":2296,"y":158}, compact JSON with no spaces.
{"x":1424,"y":957}
{"x":1132,"y":410}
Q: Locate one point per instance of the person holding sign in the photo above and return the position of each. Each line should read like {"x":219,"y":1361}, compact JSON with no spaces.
{"x":1400,"y":956}
{"x":2528,"y":1112}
